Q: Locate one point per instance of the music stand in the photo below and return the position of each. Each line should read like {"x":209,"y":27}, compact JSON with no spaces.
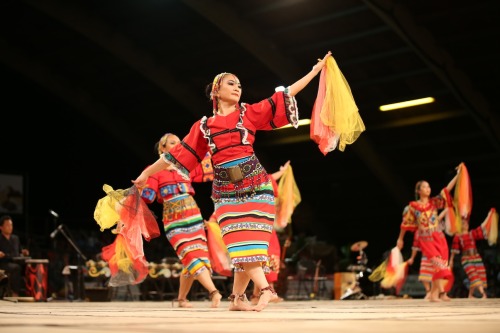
{"x":79,"y":255}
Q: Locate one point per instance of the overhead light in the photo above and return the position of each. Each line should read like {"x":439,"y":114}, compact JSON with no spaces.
{"x":301,"y":123}
{"x":406,"y":104}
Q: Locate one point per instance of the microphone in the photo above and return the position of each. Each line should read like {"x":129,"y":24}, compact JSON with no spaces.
{"x":53,"y":213}
{"x":56,"y":231}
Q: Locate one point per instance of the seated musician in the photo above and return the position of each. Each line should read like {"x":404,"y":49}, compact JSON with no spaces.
{"x":10,"y":249}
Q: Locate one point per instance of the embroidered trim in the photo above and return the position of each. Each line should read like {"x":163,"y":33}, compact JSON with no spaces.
{"x":239,"y":125}
{"x":292,"y":111}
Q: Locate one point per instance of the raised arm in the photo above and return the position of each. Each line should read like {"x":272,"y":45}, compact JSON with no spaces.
{"x":296,"y":87}
{"x":452,"y":182}
{"x":157,"y":166}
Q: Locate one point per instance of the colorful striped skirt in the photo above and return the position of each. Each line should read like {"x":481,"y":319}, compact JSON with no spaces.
{"x":185,"y":230}
{"x":245,"y":212}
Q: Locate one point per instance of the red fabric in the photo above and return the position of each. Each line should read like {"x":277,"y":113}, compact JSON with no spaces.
{"x":219,"y":257}
{"x":423,"y":219}
{"x":320,"y":133}
{"x":265,"y":115}
{"x":274,"y":252}
{"x":275,"y":187}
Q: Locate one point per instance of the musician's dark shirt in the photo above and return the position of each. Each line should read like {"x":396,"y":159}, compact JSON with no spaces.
{"x":11,"y":247}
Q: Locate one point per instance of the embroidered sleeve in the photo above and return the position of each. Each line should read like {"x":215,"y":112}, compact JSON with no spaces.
{"x":204,"y":172}
{"x":188,"y":154}
{"x":440,"y":201}
{"x":416,"y":243}
{"x":409,"y":222}
{"x":148,"y":194}
{"x":477,"y":233}
{"x":276,"y":111}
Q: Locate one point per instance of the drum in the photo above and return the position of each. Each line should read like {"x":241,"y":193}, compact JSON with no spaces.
{"x":342,"y":282}
{"x":37,"y":278}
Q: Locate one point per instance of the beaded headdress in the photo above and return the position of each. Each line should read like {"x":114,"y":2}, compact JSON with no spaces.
{"x":215,"y":88}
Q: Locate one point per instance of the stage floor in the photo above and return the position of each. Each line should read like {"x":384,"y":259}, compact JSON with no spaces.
{"x":353,"y":316}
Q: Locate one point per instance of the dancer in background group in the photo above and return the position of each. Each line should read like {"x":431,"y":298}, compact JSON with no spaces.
{"x":425,"y":270}
{"x":182,"y":221}
{"x":422,"y":218}
{"x":242,"y":190}
{"x":464,"y":243}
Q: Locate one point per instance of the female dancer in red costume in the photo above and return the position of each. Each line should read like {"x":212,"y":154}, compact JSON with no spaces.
{"x":422,"y":218}
{"x":183,"y":223}
{"x":465,"y":243}
{"x":242,"y":191}
{"x":426,"y":269}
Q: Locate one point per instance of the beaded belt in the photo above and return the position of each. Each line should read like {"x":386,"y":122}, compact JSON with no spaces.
{"x":237,"y":172}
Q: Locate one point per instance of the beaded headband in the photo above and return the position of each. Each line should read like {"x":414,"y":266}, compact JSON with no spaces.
{"x":215,"y":88}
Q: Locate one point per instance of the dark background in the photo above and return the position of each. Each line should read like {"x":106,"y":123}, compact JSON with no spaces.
{"x":88,"y":87}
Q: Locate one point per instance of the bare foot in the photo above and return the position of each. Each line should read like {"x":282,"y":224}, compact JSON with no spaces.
{"x":265,"y":297}
{"x":215,"y":297}
{"x":254,"y":299}
{"x":239,"y":303}
{"x":434,"y":296}
{"x":427,"y":295}
{"x":444,"y":297}
{"x":183,"y":303}
{"x":276,"y":299}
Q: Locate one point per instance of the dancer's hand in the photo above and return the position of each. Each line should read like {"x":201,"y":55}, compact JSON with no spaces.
{"x":140,"y":182}
{"x":321,"y":63}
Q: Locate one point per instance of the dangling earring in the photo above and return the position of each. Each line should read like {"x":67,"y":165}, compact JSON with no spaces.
{"x":215,"y":104}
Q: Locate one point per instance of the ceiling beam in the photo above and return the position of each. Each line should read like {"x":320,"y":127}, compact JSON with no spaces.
{"x":396,"y":15}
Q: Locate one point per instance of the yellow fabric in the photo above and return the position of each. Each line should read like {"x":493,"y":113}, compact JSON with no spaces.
{"x":288,"y":198}
{"x":122,"y":257}
{"x":339,"y":111}
{"x":395,"y":270}
{"x":105,"y":213}
{"x":378,"y":273}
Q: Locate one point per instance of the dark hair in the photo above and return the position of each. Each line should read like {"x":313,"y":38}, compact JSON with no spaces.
{"x":208,"y":91}
{"x":4,"y":218}
{"x":417,"y":187}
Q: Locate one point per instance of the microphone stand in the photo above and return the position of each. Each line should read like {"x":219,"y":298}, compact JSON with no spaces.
{"x":80,"y":255}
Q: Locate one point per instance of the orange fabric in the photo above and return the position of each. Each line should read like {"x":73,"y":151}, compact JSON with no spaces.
{"x":324,"y":136}
{"x":463,"y":196}
{"x":219,"y":256}
{"x":451,"y":226}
